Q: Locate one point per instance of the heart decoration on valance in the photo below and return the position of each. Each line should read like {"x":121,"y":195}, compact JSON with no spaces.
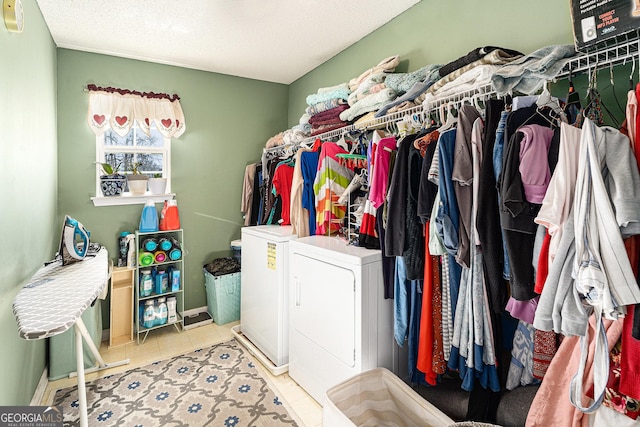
{"x":117,"y":109}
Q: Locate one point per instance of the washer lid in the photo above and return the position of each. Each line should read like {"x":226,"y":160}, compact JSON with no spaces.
{"x":336,"y":249}
{"x":277,"y":233}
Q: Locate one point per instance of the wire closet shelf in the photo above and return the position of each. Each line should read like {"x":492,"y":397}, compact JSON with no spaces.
{"x":606,"y":54}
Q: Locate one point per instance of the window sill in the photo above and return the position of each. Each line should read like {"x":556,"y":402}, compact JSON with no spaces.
{"x":127,"y":199}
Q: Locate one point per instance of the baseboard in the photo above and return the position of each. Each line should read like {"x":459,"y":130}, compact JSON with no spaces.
{"x":38,"y":394}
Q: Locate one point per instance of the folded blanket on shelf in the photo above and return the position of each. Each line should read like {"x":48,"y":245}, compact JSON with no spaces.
{"x":416,"y":90}
{"x":401,"y":107}
{"x":331,"y":114}
{"x":370,"y":103}
{"x":326,"y":128}
{"x":327,"y":120}
{"x":364,"y":88}
{"x":373,"y":89}
{"x":386,"y":65}
{"x":402,"y":82}
{"x":365,"y":121}
{"x":473,"y":56}
{"x":293,"y":136}
{"x":528,"y":73}
{"x":470,"y":80}
{"x":330,"y":122}
{"x":495,"y":57}
{"x":324,"y":106}
{"x":304,"y":118}
{"x":275,"y":140}
{"x":316,"y":98}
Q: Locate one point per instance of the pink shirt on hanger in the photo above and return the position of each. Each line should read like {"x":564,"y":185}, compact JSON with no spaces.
{"x":378,"y":185}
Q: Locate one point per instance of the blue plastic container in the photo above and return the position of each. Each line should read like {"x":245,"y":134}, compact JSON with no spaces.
{"x":165,"y":244}
{"x":150,"y":244}
{"x":149,"y":218}
{"x":162,"y":282}
{"x":175,"y":254}
{"x":161,"y":312}
{"x":175,"y":280}
{"x":146,"y":283}
{"x":149,"y":314}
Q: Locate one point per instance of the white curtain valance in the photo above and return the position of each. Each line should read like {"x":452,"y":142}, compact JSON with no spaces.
{"x":117,"y":109}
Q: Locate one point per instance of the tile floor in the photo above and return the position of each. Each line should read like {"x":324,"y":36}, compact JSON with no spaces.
{"x":167,"y":342}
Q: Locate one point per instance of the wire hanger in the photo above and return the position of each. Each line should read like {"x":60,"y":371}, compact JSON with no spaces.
{"x":479,"y":102}
{"x":441,"y":114}
{"x":450,"y":120}
{"x":613,"y":88}
{"x":594,"y":108}
{"x":428,"y":119}
{"x":342,"y":142}
{"x":546,"y":100}
{"x":415,"y":120}
{"x":508,"y":101}
{"x":466,"y":100}
{"x":573,"y":98}
{"x":359,"y":147}
{"x":633,"y":70}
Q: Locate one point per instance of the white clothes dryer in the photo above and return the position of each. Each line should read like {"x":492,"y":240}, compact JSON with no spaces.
{"x":340,"y":323}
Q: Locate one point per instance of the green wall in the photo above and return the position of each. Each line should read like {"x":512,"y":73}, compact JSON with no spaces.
{"x":28,"y":173}
{"x":228,"y":121}
{"x":436,"y":32}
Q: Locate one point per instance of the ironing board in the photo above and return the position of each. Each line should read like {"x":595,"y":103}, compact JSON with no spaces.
{"x":53,"y":301}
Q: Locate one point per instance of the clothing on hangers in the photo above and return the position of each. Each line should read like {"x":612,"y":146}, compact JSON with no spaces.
{"x":298,"y":215}
{"x":379,"y":178}
{"x":462,"y":177}
{"x":309,"y":168}
{"x":330,"y":181}
{"x":534,"y":165}
{"x":282,"y":180}
{"x":488,"y":217}
{"x":246,"y":198}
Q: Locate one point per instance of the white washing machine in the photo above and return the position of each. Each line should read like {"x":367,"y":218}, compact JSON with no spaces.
{"x":341,"y":325}
{"x":264,"y":303}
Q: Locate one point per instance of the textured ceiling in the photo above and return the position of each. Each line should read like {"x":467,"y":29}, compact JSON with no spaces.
{"x":277,"y":40}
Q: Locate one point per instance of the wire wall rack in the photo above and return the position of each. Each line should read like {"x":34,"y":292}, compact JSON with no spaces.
{"x":619,"y":50}
{"x":608,"y":53}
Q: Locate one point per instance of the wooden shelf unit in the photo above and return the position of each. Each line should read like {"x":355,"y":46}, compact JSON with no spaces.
{"x":121,"y":313}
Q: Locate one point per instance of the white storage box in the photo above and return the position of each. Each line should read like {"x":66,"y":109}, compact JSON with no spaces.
{"x":379,"y":398}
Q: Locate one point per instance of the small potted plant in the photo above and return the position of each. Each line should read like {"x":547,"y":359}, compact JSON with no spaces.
{"x":111,"y":181}
{"x":157,"y":184}
{"x":136,"y":180}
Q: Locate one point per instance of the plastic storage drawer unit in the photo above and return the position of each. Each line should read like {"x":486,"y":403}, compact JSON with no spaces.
{"x":379,"y":398}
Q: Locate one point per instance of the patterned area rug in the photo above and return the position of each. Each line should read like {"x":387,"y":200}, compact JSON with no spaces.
{"x":216,"y":386}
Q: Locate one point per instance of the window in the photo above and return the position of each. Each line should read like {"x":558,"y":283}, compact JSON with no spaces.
{"x":133,"y":128}
{"x":152,"y":152}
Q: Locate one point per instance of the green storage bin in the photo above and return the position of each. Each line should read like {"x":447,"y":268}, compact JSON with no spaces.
{"x":223,"y":297}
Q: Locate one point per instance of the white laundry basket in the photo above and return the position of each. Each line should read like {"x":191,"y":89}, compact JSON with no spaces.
{"x":378,"y":398}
